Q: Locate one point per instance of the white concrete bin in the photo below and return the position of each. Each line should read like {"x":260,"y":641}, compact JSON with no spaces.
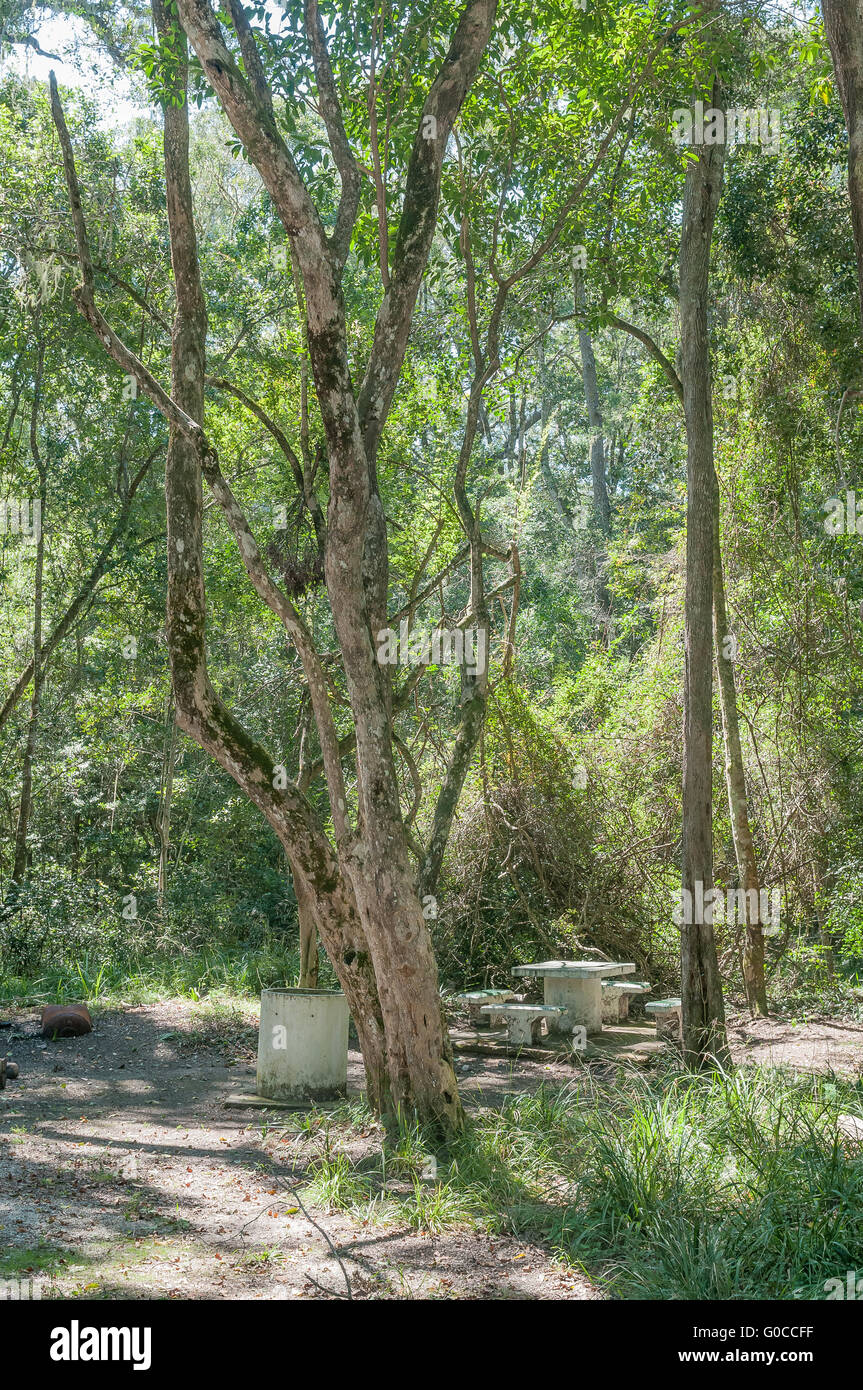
{"x":303,"y":1045}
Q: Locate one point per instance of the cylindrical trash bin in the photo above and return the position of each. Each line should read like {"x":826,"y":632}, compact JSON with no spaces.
{"x":303,"y":1045}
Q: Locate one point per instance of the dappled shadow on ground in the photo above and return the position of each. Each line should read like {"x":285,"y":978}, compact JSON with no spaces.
{"x":122,"y":1176}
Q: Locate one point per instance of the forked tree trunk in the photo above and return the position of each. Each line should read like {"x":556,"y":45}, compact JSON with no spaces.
{"x":415,"y":1076}
{"x":375,"y":859}
{"x":735,"y":780}
{"x":364,"y":894}
{"x":199,"y":711}
{"x":704,"y":1040}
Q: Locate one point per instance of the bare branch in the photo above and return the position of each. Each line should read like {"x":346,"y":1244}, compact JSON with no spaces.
{"x":343,"y":155}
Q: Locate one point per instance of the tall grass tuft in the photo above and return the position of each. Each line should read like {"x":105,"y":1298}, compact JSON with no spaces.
{"x":667,"y":1186}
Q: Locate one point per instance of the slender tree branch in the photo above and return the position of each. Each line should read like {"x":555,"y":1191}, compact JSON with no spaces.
{"x":652,"y":347}
{"x":419,"y":215}
{"x":251,"y":57}
{"x":250,"y":554}
{"x":331,"y":111}
{"x":297,"y":469}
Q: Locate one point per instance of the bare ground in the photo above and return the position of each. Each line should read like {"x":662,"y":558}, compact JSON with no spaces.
{"x":123,"y":1175}
{"x":818,"y":1045}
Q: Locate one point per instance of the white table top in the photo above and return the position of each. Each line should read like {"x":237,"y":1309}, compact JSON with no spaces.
{"x":574,"y":969}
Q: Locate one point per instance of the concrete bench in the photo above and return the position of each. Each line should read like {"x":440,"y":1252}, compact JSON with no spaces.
{"x":476,"y":999}
{"x":667,"y":1013}
{"x":523,"y":1020}
{"x":616,"y":995}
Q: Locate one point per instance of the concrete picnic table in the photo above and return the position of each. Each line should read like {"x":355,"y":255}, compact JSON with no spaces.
{"x":577,"y":986}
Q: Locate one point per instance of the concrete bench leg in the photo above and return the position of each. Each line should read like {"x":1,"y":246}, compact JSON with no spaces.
{"x":670,"y":1026}
{"x":521,"y":1032}
{"x":615,"y":1008}
{"x":610,"y":1009}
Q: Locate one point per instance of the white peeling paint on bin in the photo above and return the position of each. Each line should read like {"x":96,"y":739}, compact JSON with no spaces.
{"x":303,"y":1045}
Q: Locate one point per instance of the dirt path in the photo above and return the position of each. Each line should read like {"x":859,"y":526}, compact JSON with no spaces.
{"x":122,"y":1175}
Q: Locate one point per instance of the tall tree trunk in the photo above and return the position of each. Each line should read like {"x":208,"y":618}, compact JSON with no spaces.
{"x":704,"y":1040}
{"x":366,"y":901}
{"x":19,"y":864}
{"x":843,"y":24}
{"x":735,"y":780}
{"x":601,"y":504}
{"x":753,"y":955}
{"x":199,"y":711}
{"x":599,"y":483}
{"x":376,"y":859}
{"x":165,"y":809}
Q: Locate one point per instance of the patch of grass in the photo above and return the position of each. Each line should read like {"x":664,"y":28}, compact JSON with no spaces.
{"x":398,"y":1184}
{"x":103,"y":1176}
{"x":436,"y":1207}
{"x":38,"y":1259}
{"x":262,"y":1258}
{"x":148,"y":977}
{"x":665,"y":1186}
{"x":336,"y":1183}
{"x":138,"y":1208}
{"x":737,"y":1187}
{"x":172,"y":1224}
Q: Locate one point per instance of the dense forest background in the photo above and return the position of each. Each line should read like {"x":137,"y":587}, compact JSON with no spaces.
{"x":136,"y":864}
